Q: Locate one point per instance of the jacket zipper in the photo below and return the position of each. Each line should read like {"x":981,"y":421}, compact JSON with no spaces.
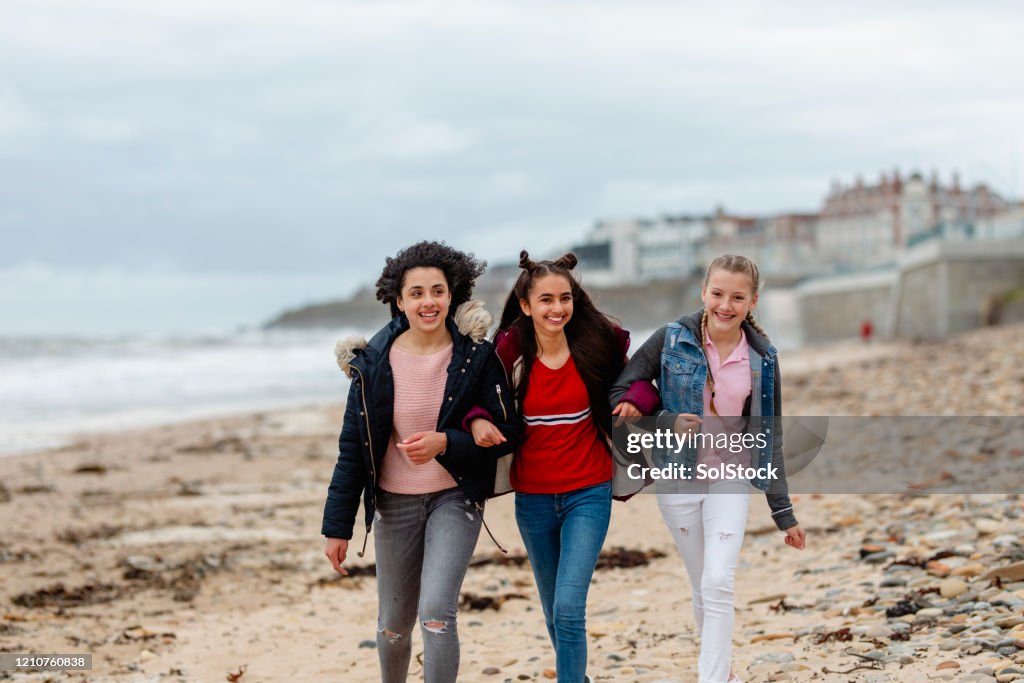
{"x":373,"y":468}
{"x":502,"y":402}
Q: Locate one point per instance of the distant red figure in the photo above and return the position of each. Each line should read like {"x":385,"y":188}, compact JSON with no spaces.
{"x":866,"y":330}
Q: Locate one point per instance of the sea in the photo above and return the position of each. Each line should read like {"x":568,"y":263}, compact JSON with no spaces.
{"x":54,"y":388}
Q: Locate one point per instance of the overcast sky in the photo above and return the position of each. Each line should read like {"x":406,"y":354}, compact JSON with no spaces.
{"x":191,"y":164}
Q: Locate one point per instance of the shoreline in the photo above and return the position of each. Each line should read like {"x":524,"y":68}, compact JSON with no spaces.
{"x":184,"y":552}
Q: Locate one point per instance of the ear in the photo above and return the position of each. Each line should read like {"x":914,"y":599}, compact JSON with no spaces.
{"x":753,"y":301}
{"x":524,"y":306}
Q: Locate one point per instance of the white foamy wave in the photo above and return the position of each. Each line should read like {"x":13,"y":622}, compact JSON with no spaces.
{"x":52,"y":388}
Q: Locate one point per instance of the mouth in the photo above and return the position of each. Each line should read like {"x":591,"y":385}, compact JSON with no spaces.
{"x":725,"y":317}
{"x":555,"y":320}
{"x":429,"y":316}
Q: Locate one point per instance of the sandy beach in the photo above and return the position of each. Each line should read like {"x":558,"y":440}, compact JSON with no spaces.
{"x":192,"y":552}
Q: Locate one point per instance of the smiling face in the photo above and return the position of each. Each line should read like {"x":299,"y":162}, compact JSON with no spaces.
{"x":550,"y":303}
{"x":425,"y":298}
{"x":728,"y":297}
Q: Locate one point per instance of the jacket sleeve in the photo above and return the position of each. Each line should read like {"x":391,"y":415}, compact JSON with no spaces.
{"x":643,"y":367}
{"x":350,"y":475}
{"x":492,"y":396}
{"x":778,"y":491}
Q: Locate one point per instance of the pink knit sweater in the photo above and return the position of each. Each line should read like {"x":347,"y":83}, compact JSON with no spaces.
{"x":419,"y":393}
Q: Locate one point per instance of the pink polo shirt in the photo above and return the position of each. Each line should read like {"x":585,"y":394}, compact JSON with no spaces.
{"x":732,"y":387}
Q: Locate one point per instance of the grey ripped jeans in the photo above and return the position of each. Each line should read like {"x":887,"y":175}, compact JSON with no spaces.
{"x":423,"y":544}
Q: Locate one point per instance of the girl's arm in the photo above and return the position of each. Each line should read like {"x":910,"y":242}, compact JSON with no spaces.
{"x":778,"y":491}
{"x":493,"y":402}
{"x":349,"y":476}
{"x":634,"y":383}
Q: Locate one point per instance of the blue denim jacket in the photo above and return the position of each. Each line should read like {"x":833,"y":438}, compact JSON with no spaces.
{"x":674,"y":356}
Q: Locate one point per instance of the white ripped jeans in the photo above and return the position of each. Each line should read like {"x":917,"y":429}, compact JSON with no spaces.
{"x":708,"y":527}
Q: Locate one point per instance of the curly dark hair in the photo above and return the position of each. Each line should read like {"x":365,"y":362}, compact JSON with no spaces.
{"x":460,"y":270}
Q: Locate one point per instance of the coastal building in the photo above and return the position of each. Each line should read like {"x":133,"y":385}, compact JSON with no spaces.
{"x":866,"y":225}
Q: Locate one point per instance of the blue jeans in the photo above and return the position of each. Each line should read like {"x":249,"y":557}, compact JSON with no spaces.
{"x":563,"y":534}
{"x":423,"y":545}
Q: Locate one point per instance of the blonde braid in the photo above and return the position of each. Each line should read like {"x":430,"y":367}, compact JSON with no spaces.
{"x":758,"y":328}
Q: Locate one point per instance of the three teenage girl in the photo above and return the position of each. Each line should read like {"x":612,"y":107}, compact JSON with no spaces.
{"x":563,"y":359}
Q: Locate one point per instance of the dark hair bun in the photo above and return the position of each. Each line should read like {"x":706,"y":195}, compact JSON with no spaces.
{"x":568,"y":261}
{"x":524,"y":260}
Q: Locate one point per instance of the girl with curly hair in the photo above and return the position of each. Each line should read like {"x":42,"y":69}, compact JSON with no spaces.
{"x":421,"y":477}
{"x":561,"y":356}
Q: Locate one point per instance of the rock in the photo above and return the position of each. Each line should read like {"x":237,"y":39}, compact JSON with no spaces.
{"x":773,"y":658}
{"x":550,"y":674}
{"x":948,"y":664}
{"x":987,"y":526}
{"x":368,"y":644}
{"x":878,"y":631}
{"x":1009,"y":572}
{"x":616,"y":657}
{"x":949,"y":644}
{"x":146,"y":655}
{"x":939,"y":569}
{"x":951,"y":588}
{"x":491,"y":671}
{"x":968,"y":570}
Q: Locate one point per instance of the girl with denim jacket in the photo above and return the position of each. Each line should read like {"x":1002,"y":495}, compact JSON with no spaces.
{"x":717,"y":373}
{"x":561,"y":356}
{"x":402,"y":450}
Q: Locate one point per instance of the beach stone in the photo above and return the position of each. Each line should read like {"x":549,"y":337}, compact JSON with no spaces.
{"x":878,"y":631}
{"x":986,"y":526}
{"x":876,"y":655}
{"x":491,"y":671}
{"x":929,"y":613}
{"x":893,"y":582}
{"x":985,"y":671}
{"x":774,"y":658}
{"x":1006,"y":678}
{"x":949,"y":644}
{"x":1010,"y":572}
{"x":946,"y":665}
{"x":793,"y":666}
{"x":951,"y":588}
{"x":879,"y":557}
{"x":968,"y":570}
{"x":616,"y":657}
{"x":1010,"y":622}
{"x":368,"y":644}
{"x":976,"y":678}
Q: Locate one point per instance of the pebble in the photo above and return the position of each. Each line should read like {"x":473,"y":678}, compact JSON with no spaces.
{"x":951,"y":588}
{"x":368,"y":644}
{"x":491,"y":671}
{"x":948,"y":664}
{"x":773,"y":658}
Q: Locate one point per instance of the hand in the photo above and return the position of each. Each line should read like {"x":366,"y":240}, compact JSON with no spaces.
{"x":796,"y":537}
{"x":625,"y":409}
{"x":485,"y":433}
{"x":686,"y":423}
{"x":422,"y":447}
{"x":336,"y":550}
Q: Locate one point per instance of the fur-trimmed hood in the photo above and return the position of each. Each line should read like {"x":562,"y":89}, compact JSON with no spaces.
{"x":471,"y":319}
